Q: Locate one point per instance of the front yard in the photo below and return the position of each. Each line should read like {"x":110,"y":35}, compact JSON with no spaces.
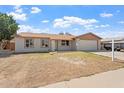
{"x":40,"y":69}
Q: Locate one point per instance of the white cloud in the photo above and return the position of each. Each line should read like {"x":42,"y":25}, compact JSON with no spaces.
{"x":107,"y":15}
{"x":35,"y":10}
{"x":18,"y":16}
{"x":67,"y":21}
{"x":61,"y":23}
{"x":88,"y":27}
{"x":27,"y":28}
{"x":76,"y":29}
{"x":45,"y":21}
{"x":102,"y":26}
{"x":93,"y":27}
{"x":17,"y":6}
{"x":121,"y":22}
{"x":110,"y":34}
{"x":18,"y":9}
{"x":18,"y":13}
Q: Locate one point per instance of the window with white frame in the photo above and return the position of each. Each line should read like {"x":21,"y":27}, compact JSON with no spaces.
{"x":65,"y":42}
{"x":44,"y":43}
{"x":29,"y":43}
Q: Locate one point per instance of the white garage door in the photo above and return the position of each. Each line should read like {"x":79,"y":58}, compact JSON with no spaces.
{"x":86,"y":45}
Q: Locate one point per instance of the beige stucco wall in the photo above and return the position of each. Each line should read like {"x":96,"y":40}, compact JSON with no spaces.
{"x":19,"y":46}
{"x":53,"y":45}
{"x":60,"y":47}
{"x":87,"y":44}
{"x":74,"y":45}
{"x":99,"y":44}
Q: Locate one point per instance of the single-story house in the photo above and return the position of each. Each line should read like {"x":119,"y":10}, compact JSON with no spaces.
{"x":40,"y":42}
{"x":107,"y":42}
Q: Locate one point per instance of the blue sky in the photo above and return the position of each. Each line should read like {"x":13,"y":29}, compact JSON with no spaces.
{"x":105,"y":21}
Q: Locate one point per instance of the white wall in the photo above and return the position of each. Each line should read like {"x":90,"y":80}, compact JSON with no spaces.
{"x":19,"y":46}
{"x":60,"y":47}
{"x":122,"y":45}
{"x":99,"y":45}
{"x":74,"y":45}
{"x":86,"y":44}
{"x":53,"y":45}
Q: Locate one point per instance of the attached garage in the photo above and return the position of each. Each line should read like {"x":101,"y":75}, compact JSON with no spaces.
{"x":87,"y":45}
{"x":88,"y":41}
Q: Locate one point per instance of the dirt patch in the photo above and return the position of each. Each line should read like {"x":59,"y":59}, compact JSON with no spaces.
{"x":74,"y":60}
{"x":40,"y":69}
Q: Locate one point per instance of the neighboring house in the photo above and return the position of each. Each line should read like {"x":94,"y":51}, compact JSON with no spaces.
{"x":118,"y":42}
{"x":32,"y":42}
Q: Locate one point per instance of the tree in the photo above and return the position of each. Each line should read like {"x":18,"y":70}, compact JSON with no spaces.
{"x":8,"y":29}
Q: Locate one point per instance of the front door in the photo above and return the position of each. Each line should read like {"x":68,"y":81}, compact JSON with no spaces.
{"x":53,"y":45}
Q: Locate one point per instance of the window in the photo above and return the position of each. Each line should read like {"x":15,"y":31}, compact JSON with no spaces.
{"x":65,"y":43}
{"x":29,"y":43}
{"x":44,"y":43}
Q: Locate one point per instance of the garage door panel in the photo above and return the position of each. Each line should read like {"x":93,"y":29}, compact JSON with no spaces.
{"x":87,"y":45}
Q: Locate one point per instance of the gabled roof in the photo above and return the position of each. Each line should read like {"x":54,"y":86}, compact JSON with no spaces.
{"x":89,"y":36}
{"x":43,"y":35}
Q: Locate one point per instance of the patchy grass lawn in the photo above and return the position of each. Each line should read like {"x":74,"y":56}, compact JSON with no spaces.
{"x":40,"y":69}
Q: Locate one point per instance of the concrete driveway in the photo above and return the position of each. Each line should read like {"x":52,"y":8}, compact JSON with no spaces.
{"x":118,"y":55}
{"x":110,"y":79}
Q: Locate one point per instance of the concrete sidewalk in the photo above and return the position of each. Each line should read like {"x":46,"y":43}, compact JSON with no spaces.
{"x":110,"y":79}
